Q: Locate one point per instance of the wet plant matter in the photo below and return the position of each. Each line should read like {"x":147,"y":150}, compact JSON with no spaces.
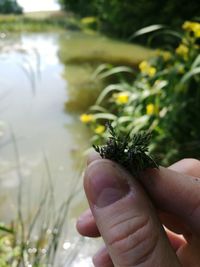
{"x":130,"y":152}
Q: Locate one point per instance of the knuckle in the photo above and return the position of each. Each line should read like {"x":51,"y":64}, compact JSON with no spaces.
{"x":191,"y":163}
{"x":132,"y":235}
{"x":128,"y":233}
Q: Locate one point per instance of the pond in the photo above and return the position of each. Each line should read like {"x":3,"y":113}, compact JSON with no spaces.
{"x":42,"y":144}
{"x":37,"y":135}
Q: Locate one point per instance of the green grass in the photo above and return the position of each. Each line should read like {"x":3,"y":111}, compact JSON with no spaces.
{"x":37,"y":22}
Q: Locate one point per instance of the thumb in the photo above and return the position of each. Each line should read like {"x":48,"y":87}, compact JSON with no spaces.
{"x":126,"y":218}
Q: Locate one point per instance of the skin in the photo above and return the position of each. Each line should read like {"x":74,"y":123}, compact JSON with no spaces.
{"x":156,"y":224}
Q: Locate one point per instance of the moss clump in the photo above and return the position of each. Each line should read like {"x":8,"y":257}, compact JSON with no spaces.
{"x":130,"y":152}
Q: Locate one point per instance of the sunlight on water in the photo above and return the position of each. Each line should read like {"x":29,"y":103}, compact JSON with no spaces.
{"x":32,"y":97}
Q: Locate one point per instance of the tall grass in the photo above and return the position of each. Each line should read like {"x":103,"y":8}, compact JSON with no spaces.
{"x":39,"y":242}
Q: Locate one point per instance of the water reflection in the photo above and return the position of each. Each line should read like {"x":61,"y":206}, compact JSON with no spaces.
{"x":49,"y":141}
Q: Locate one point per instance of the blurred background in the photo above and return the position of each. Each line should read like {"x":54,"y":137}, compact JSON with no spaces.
{"x":67,"y":67}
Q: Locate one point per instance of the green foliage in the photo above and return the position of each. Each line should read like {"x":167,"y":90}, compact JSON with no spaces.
{"x":163,"y":97}
{"x":82,"y":7}
{"x":36,"y":244}
{"x":10,"y":6}
{"x":122,"y":18}
{"x":36,"y":23}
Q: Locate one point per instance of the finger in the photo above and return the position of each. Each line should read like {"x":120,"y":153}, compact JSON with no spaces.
{"x":102,"y":258}
{"x":86,"y":225}
{"x":92,"y":156}
{"x":175,"y":193}
{"x":125,"y":218}
{"x":188,"y":166}
{"x":176,"y":241}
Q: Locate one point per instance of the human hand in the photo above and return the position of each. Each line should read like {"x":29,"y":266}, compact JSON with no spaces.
{"x":131,"y":226}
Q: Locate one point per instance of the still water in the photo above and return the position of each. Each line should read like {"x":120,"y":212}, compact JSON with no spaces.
{"x":38,"y":137}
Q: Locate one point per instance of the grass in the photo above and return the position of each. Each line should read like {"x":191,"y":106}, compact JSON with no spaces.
{"x":37,"y":22}
{"x":37,"y":242}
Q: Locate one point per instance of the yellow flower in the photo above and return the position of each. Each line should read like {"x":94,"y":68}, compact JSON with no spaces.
{"x":152,"y":71}
{"x":100,"y":129}
{"x":166,"y":55}
{"x":192,"y":27}
{"x":147,"y":69}
{"x":187,"y":25}
{"x":197,"y":33}
{"x":182,"y":50}
{"x":86,"y":118}
{"x":143,"y":65}
{"x":88,"y":20}
{"x":150,"y":109}
{"x":181,"y":69}
{"x":121,"y":98}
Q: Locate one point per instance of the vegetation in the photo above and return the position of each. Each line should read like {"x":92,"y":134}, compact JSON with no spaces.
{"x":94,"y":48}
{"x":157,"y":92}
{"x":128,"y":151}
{"x":37,"y":22}
{"x":36,"y":241}
{"x":122,"y":18}
{"x":10,"y":6}
{"x":163,"y":97}
{"x":81,"y":54}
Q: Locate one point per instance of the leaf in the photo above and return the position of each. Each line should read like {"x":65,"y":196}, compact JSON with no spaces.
{"x":101,"y":68}
{"x":145,"y":30}
{"x":138,"y":123}
{"x":106,"y":116}
{"x":190,"y":74}
{"x":165,"y":32}
{"x":7,"y":230}
{"x":107,"y":90}
{"x":97,"y":108}
{"x":113,"y":71}
{"x":125,"y":119}
{"x":196,"y":62}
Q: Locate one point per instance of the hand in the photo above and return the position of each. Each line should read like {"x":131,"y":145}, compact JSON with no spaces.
{"x":132,"y":227}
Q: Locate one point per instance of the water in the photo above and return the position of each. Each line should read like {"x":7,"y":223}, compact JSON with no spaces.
{"x":38,"y":134}
{"x":41,"y":143}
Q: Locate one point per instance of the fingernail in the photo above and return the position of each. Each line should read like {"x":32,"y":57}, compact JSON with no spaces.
{"x":105,"y":183}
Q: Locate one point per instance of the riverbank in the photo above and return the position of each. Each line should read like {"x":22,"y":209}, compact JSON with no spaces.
{"x":38,"y":22}
{"x":81,"y":54}
{"x":96,"y":48}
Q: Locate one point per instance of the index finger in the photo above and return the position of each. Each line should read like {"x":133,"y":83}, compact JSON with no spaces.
{"x":176,"y":193}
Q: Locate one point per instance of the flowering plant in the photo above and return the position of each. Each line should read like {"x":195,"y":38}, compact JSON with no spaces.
{"x":162,"y":97}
